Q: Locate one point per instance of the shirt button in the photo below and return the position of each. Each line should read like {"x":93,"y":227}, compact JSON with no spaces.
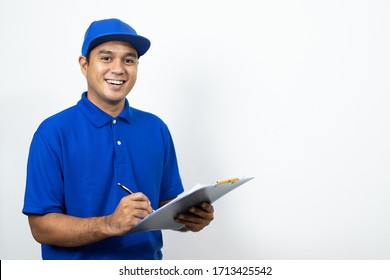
{"x":114,"y":121}
{"x":119,"y":142}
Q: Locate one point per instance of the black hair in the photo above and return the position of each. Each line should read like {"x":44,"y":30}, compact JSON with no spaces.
{"x":87,"y":57}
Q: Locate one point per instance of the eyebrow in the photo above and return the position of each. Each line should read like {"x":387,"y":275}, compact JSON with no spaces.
{"x":132,"y":54}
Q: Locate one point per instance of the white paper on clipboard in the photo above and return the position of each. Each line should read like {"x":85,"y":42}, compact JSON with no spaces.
{"x":163,"y":218}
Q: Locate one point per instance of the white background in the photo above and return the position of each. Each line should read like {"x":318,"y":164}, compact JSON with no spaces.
{"x":295,"y":93}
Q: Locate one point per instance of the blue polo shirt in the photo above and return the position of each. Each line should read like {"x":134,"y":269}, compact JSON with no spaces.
{"x":78,"y":156}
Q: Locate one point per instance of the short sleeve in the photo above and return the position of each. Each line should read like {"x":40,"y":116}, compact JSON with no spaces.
{"x":44,"y":183}
{"x":171,"y":180}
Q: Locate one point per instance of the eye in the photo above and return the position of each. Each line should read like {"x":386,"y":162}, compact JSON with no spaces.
{"x":129,"y":61}
{"x":106,"y":58}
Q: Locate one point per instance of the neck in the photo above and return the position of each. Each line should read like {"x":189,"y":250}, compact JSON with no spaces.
{"x":112,"y":108}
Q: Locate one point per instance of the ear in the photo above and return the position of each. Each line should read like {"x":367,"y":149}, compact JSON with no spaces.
{"x":83,"y":65}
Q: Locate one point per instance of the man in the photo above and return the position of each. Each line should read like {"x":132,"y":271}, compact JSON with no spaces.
{"x":77,"y":158}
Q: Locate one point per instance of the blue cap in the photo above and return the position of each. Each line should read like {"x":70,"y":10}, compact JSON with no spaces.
{"x":105,"y":30}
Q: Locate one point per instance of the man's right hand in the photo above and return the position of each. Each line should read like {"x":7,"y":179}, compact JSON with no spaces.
{"x":129,"y":212}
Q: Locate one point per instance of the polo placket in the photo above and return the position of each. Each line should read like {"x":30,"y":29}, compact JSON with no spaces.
{"x":122,"y":164}
{"x":117,"y":140}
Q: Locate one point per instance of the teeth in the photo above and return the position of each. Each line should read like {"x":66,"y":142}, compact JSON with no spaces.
{"x":115,"y":82}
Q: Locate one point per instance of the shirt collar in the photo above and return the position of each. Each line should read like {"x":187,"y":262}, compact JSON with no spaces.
{"x":97,"y":116}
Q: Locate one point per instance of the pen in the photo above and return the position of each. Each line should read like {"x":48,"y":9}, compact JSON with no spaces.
{"x":129,"y":191}
{"x":126,"y":189}
{"x":232,"y":180}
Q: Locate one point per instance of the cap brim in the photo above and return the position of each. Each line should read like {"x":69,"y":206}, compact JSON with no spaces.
{"x":141,"y":44}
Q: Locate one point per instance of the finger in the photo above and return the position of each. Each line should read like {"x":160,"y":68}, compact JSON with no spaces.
{"x":196,"y":212}
{"x":190,"y":218}
{"x":130,"y":204}
{"x":143,"y":205}
{"x":207,"y":207}
{"x":141,"y":213}
{"x":191,"y":226}
{"x":138,"y":197}
{"x":201,"y":212}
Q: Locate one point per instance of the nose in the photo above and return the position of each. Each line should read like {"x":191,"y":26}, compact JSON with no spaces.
{"x":117,"y":67}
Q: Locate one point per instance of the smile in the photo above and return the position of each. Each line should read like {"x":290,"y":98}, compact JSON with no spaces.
{"x":115,"y":82}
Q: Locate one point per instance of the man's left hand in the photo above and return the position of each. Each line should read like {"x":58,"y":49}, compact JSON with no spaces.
{"x":197,"y":218}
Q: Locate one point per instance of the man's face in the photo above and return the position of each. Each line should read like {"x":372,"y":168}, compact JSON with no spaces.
{"x":111,"y":73}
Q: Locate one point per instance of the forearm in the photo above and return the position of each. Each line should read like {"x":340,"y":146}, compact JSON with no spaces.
{"x":68,"y":231}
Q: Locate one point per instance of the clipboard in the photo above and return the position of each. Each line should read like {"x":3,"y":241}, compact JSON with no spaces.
{"x":163,"y":218}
